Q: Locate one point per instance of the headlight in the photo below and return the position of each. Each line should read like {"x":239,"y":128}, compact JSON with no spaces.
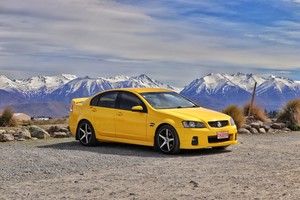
{"x":232,"y":123}
{"x":193,"y":124}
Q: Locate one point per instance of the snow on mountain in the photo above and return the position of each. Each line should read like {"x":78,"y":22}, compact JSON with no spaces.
{"x":8,"y":85}
{"x":43,"y":84}
{"x":219,"y":90}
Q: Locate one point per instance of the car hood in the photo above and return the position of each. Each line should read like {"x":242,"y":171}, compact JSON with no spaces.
{"x":198,"y":113}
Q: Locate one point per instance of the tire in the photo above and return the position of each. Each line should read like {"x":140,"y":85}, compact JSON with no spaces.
{"x":167,"y":140}
{"x":220,"y":148}
{"x":86,"y":134}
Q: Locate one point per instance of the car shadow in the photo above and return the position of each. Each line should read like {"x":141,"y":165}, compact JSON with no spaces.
{"x":129,"y":149}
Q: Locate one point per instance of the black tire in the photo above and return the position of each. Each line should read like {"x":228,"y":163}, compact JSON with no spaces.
{"x":86,"y":134}
{"x":167,"y":140}
{"x":220,"y":148}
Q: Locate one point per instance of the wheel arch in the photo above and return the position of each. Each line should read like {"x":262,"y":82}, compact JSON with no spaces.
{"x":76,"y":135}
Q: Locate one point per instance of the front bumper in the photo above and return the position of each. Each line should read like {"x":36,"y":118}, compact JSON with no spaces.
{"x":206,"y":137}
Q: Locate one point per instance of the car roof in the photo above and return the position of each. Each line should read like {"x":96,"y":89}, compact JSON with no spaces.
{"x":143,"y":90}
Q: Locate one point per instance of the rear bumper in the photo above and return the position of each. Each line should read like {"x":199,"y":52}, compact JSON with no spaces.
{"x":206,"y":137}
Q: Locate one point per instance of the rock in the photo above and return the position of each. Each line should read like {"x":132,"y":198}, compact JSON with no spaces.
{"x":53,"y":129}
{"x":2,"y":132}
{"x":255,"y":125}
{"x":266,"y":127}
{"x":277,"y":126}
{"x":271,"y":130}
{"x":24,"y":133}
{"x":254,"y":130}
{"x":244,"y":130}
{"x":262,"y":130}
{"x":286,"y":129}
{"x":59,"y":134}
{"x":38,"y":132}
{"x":11,"y":132}
{"x":247,"y":126}
{"x":6,"y":137}
{"x":21,"y":139}
{"x":64,"y":130}
{"x":34,"y":138}
{"x":260,"y":123}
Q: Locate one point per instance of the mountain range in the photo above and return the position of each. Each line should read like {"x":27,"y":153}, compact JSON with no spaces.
{"x":51,"y":95}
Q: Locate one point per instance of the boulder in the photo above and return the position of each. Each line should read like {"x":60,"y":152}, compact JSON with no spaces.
{"x":24,"y":133}
{"x":2,"y":131}
{"x":63,"y":129}
{"x":38,"y":132}
{"x":254,"y":130}
{"x":286,"y":129}
{"x":247,"y":126}
{"x":262,"y":130}
{"x":271,"y":130}
{"x":276,"y":126}
{"x":244,"y":130}
{"x":59,"y":135}
{"x":266,"y":127}
{"x":11,"y":132}
{"x":6,"y":137}
{"x":255,"y":125}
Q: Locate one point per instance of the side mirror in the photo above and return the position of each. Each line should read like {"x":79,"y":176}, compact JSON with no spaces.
{"x":137,"y":109}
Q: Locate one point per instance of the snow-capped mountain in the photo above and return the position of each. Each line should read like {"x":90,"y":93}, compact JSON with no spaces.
{"x":43,"y":94}
{"x":220,"y":90}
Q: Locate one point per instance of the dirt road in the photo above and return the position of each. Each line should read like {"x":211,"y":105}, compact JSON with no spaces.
{"x":259,"y":167}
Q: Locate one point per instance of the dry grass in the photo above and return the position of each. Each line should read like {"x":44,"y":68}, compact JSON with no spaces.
{"x":50,"y":121}
{"x":257,"y":112}
{"x":291,"y":114}
{"x":237,"y":115}
{"x":7,"y":118}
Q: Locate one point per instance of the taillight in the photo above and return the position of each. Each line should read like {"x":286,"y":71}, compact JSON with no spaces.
{"x":71,"y":108}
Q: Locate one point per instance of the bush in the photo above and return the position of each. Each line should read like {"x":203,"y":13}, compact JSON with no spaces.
{"x":7,"y":118}
{"x":291,"y":114}
{"x":257,"y":112}
{"x":237,"y":115}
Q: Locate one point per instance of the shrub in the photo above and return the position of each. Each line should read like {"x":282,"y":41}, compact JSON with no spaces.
{"x":7,"y":118}
{"x":257,"y":112}
{"x":291,"y":114}
{"x":237,"y":115}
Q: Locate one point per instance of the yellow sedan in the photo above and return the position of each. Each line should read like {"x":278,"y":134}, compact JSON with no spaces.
{"x":148,"y":116}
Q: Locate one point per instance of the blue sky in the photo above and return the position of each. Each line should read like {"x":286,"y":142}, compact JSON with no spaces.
{"x":174,"y":41}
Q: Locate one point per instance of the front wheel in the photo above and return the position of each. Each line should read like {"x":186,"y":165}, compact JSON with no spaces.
{"x":86,"y":134}
{"x":167,"y":140}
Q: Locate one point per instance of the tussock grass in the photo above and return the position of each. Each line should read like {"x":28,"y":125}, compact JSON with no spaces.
{"x":7,"y":118}
{"x":236,"y":113}
{"x":291,"y":114}
{"x":257,"y":112}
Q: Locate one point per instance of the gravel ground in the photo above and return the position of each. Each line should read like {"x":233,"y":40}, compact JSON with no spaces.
{"x":259,"y":167}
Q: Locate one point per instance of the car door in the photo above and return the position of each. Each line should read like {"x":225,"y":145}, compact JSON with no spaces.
{"x":130,"y":124}
{"x":103,"y":111}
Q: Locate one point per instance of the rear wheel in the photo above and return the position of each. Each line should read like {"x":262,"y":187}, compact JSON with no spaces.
{"x":167,"y":140}
{"x":86,"y":134}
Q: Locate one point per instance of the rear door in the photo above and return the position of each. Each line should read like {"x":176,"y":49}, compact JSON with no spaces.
{"x":129,"y":124}
{"x":103,"y":109}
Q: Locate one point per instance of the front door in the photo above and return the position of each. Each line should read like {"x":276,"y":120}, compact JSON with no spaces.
{"x":130,"y":124}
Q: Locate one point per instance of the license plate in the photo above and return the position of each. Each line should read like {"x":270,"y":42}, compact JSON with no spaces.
{"x":222,"y":135}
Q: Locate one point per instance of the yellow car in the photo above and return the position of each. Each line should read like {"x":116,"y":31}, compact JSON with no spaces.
{"x":148,"y":116}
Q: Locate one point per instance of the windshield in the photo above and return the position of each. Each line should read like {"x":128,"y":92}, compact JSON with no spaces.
{"x":167,"y":100}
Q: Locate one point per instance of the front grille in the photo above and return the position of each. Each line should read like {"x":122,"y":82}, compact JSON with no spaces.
{"x":214,"y":124}
{"x":214,"y":139}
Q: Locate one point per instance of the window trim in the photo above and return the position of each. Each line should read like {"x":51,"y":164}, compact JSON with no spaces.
{"x":119,"y":98}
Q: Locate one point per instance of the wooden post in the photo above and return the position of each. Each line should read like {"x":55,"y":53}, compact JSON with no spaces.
{"x":252,"y":100}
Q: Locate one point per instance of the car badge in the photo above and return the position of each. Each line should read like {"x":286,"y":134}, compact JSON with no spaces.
{"x":219,"y":124}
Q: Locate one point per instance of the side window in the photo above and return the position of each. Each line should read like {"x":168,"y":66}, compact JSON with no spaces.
{"x":128,"y":100}
{"x":107,"y":100}
{"x":94,"y":101}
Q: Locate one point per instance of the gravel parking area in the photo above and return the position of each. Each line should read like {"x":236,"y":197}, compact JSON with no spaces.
{"x":259,"y":167}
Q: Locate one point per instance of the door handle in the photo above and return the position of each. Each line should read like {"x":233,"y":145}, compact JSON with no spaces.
{"x":93,"y":109}
{"x":120,"y":114}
